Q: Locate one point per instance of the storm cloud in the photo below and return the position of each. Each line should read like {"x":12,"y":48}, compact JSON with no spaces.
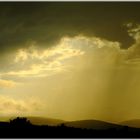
{"x":44,"y":23}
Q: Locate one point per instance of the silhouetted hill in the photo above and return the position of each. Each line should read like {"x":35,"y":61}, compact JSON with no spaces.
{"x":3,"y":124}
{"x":132,"y":123}
{"x":44,"y":121}
{"x":35,"y":120}
{"x":92,"y":124}
{"x":21,"y":127}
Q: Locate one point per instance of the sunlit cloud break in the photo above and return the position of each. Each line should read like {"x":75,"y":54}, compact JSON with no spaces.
{"x":34,"y":62}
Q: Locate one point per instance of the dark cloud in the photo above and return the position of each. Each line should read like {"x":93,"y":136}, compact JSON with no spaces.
{"x":46,"y":22}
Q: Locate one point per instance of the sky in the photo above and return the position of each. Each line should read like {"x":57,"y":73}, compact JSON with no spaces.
{"x":70,"y":60}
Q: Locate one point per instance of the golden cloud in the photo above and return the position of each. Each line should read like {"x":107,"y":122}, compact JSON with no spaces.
{"x":13,"y":106}
{"x":7,"y":83}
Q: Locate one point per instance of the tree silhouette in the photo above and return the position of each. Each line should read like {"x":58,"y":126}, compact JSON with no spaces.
{"x":20,"y":121}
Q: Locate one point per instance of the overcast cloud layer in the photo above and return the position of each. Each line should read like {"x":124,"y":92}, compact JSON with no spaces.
{"x":45,"y":23}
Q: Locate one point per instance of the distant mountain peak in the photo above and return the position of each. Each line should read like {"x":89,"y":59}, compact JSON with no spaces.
{"x":92,"y":124}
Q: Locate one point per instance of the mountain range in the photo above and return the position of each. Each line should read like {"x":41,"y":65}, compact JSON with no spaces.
{"x":89,"y":124}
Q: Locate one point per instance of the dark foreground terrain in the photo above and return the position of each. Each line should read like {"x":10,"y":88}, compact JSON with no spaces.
{"x":22,"y":128}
